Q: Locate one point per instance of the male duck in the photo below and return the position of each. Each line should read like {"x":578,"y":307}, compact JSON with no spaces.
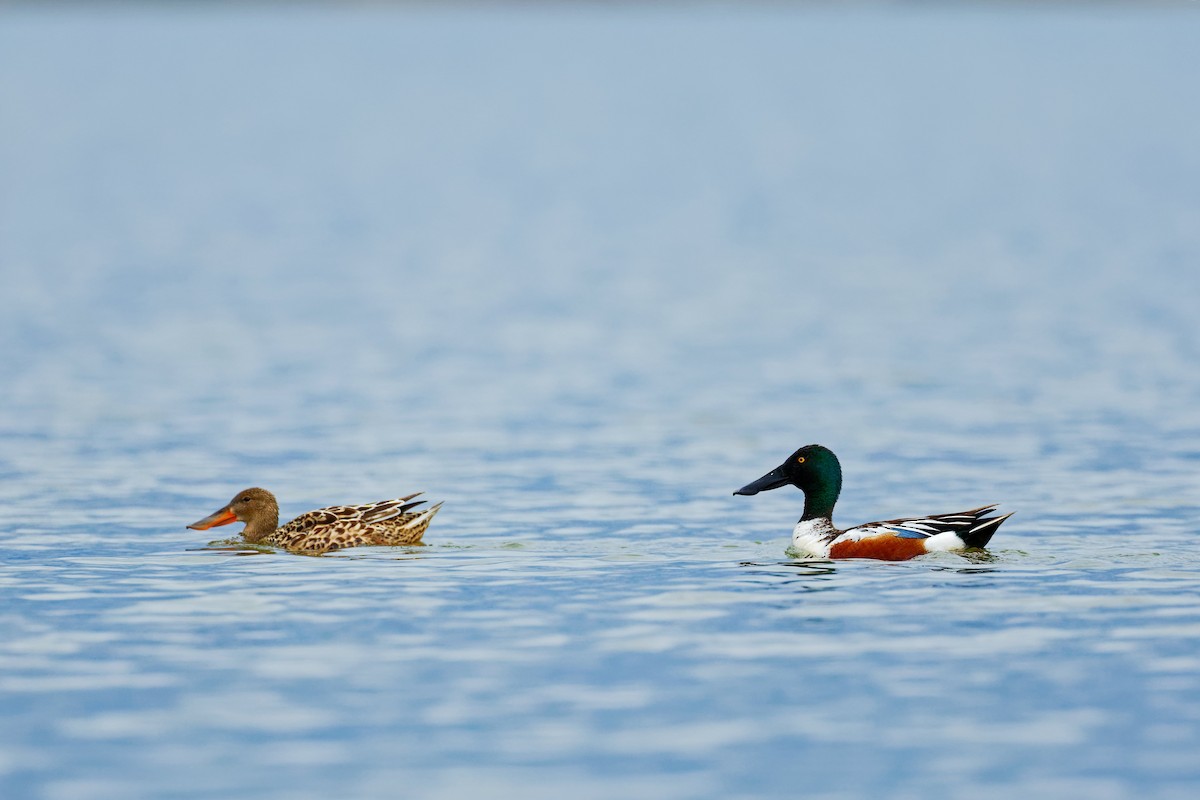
{"x":388,"y":522}
{"x":815,"y":471}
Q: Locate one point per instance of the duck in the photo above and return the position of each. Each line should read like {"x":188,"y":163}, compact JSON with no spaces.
{"x":387,"y":522}
{"x":815,"y":470}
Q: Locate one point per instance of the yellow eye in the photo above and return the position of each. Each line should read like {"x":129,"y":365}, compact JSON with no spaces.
{"x":800,"y":460}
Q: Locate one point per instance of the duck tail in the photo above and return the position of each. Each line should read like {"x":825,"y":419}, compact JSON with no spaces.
{"x":981,"y":532}
{"x":420,"y":520}
{"x":387,"y":509}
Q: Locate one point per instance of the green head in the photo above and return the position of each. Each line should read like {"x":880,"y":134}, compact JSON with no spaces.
{"x":814,"y":470}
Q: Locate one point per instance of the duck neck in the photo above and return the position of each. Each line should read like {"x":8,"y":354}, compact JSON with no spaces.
{"x":820,"y":496}
{"x":260,"y":528}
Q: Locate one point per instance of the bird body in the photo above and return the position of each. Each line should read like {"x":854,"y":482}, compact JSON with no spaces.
{"x":816,"y":471}
{"x":387,"y":522}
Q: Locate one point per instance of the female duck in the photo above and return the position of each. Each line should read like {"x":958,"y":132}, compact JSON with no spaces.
{"x":388,"y":522}
{"x":815,"y":471}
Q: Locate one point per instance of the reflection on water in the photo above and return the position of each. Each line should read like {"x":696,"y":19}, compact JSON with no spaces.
{"x":581,"y":272}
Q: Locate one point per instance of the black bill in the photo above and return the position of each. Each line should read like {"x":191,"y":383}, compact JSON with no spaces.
{"x":772,"y":480}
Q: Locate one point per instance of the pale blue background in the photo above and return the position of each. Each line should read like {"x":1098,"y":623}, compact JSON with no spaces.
{"x":581,"y":272}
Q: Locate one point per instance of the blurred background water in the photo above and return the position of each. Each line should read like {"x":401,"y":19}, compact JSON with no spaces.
{"x":581,"y":272}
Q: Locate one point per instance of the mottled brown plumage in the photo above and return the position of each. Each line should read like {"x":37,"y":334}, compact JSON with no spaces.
{"x":388,"y":522}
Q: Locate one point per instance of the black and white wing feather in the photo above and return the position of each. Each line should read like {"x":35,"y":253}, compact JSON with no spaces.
{"x":974,"y":527}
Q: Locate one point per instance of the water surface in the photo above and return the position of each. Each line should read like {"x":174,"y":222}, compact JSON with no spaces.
{"x":581,"y":273}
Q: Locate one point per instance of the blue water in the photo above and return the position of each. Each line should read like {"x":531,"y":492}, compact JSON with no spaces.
{"x":582,"y":272}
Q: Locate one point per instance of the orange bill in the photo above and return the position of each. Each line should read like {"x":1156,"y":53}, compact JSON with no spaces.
{"x":218,"y":518}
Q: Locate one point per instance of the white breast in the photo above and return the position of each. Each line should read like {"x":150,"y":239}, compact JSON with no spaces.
{"x":812,"y":537}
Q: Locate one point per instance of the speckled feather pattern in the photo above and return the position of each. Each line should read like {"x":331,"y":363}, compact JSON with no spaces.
{"x":387,"y":522}
{"x":338,"y":527}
